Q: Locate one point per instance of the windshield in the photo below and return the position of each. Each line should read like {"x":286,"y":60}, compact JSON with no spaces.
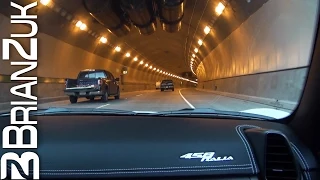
{"x":247,"y":57}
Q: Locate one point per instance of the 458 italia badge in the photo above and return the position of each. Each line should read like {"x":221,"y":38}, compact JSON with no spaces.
{"x":206,"y":157}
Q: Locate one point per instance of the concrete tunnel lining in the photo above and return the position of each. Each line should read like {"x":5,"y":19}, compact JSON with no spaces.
{"x":217,"y":68}
{"x":278,"y":38}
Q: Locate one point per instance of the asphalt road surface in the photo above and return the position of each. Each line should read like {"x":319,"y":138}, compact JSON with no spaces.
{"x":155,"y":100}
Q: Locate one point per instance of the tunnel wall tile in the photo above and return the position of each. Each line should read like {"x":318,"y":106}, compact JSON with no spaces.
{"x":277,"y":37}
{"x":284,"y":85}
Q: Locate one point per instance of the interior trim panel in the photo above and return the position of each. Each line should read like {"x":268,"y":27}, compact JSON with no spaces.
{"x":122,"y":146}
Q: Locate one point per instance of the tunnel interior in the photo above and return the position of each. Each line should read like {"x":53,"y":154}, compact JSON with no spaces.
{"x":247,"y":49}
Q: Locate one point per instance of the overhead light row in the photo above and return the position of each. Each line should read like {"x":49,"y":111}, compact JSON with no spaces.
{"x":82,"y":26}
{"x":219,"y":9}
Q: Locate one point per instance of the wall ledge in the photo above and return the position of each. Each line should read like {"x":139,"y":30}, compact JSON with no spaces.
{"x":281,"y":104}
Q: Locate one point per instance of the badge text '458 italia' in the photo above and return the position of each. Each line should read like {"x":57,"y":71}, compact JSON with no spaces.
{"x":206,"y":157}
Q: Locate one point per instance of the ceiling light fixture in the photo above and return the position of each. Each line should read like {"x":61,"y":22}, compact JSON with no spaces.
{"x":200,"y":42}
{"x":135,"y":59}
{"x":83,"y":27}
{"x":118,"y":49}
{"x":45,"y":2}
{"x":219,"y":9}
{"x":78,"y":24}
{"x":196,"y":50}
{"x":141,"y":62}
{"x":128,"y":55}
{"x":147,"y":65}
{"x":103,"y":40}
{"x":207,"y":30}
{"x":193,"y":55}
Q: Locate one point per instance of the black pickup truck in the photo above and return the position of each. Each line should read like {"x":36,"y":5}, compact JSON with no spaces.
{"x":167,"y":84}
{"x":92,"y":83}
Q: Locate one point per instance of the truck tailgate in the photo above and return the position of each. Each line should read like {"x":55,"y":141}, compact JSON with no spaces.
{"x":81,"y":85}
{"x":80,"y":89}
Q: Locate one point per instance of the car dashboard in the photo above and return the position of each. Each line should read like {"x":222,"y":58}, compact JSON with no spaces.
{"x":157,"y":147}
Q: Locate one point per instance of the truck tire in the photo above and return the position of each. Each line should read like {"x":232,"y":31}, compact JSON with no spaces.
{"x":118,"y":95}
{"x":172,"y":89}
{"x":104,"y":98}
{"x":73,"y":99}
{"x":162,"y":89}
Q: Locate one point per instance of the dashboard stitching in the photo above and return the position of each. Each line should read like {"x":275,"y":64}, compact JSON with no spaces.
{"x":130,"y":169}
{"x":138,"y":172}
{"x":244,"y":140}
{"x":307,"y":175}
{"x":239,"y":132}
{"x":303,"y":161}
{"x":298,"y":151}
{"x":246,"y":149}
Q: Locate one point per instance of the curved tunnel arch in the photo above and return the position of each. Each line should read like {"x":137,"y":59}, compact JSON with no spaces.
{"x":246,"y":40}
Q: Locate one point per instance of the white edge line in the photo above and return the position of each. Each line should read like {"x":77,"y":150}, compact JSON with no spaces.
{"x":102,"y":106}
{"x":186,"y":100}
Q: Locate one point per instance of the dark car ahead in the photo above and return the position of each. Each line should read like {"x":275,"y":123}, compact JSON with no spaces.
{"x":92,"y":83}
{"x":167,"y":85}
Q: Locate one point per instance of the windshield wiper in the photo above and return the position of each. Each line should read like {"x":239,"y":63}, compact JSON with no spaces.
{"x":74,"y":111}
{"x":212,"y":113}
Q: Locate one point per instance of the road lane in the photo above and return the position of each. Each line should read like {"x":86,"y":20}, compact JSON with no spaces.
{"x":203,"y":99}
{"x":155,"y":100}
{"x":85,"y":103}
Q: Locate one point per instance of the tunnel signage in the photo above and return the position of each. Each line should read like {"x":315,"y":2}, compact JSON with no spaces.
{"x":28,"y":102}
{"x":206,"y":157}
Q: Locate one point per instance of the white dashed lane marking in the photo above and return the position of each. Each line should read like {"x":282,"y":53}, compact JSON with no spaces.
{"x":102,"y":106}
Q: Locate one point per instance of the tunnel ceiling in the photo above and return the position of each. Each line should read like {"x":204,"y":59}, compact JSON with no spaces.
{"x":168,"y":51}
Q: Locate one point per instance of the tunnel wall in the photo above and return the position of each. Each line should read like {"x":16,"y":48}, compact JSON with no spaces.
{"x":267,"y":56}
{"x":60,"y":60}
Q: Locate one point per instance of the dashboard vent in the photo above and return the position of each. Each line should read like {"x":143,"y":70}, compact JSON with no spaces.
{"x":280,"y":163}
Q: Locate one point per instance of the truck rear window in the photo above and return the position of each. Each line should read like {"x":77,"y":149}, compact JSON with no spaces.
{"x":167,"y":81}
{"x":89,"y":75}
